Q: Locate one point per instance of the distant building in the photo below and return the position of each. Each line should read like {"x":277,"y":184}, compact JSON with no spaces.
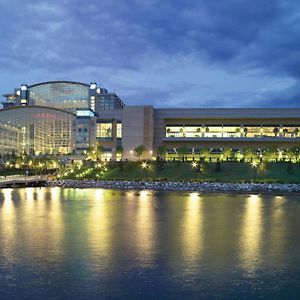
{"x":70,"y":117}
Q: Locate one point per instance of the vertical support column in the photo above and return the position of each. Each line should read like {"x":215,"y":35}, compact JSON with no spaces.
{"x":203,"y":130}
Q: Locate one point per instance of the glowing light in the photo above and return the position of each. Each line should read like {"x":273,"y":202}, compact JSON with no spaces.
{"x":194,"y":164}
{"x":194,"y":196}
{"x":254,"y":164}
{"x":251,"y":235}
{"x":192,"y":230}
{"x":144,"y":195}
{"x":100,"y":194}
{"x":144,"y":165}
{"x":144,"y":229}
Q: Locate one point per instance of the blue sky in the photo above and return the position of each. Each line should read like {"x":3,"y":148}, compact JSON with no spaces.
{"x":200,"y":53}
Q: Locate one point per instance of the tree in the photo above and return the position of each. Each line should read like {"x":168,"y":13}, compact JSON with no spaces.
{"x":95,"y":153}
{"x":285,"y":131}
{"x":276,"y":131}
{"x":99,"y":151}
{"x":205,"y":152}
{"x":168,"y":131}
{"x":292,"y":153}
{"x":161,"y":151}
{"x":227,"y":153}
{"x":249,"y":153}
{"x":139,"y":151}
{"x":181,"y":130}
{"x":245,"y":131}
{"x":295,"y":151}
{"x":91,"y":153}
{"x":271,"y":153}
{"x":182,"y":151}
{"x":296,"y":132}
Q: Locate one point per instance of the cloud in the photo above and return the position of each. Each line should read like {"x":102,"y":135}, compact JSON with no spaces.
{"x":160,"y":52}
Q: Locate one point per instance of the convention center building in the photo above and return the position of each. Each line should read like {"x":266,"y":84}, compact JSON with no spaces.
{"x":64,"y":117}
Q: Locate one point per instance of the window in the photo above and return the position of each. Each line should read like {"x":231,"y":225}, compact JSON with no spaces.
{"x":104,"y":130}
{"x":119,"y":130}
{"x":232,"y":131}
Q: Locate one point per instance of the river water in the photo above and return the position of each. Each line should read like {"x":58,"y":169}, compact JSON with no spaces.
{"x":101,"y":244}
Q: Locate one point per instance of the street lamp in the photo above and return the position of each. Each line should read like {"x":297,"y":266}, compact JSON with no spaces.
{"x":254,"y":164}
{"x":194,"y":165}
{"x":145,"y":166}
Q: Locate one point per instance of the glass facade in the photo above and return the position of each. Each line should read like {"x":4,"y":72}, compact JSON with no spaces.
{"x":10,"y":139}
{"x":41,"y":130}
{"x":52,"y":137}
{"x":82,"y":133}
{"x":64,"y":95}
{"x":231,"y":131}
{"x":108,"y":101}
{"x":44,"y":136}
{"x":104,"y":130}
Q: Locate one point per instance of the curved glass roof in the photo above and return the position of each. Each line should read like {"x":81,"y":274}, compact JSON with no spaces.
{"x":66,"y":95}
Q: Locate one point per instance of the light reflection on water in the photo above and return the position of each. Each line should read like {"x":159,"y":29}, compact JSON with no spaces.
{"x":192,"y":236}
{"x":251,"y":233}
{"x":145,"y":229}
{"x":86,"y":243}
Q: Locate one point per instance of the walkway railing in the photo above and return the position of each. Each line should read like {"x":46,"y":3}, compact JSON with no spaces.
{"x":14,"y":179}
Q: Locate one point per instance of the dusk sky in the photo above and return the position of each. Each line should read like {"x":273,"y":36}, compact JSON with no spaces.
{"x":205,"y":53}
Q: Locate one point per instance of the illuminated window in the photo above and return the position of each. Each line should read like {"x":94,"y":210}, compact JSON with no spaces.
{"x":104,"y":130}
{"x":232,"y":131}
{"x":119,"y":130}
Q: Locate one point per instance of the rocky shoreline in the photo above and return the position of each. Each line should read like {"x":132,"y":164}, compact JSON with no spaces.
{"x":202,"y":187}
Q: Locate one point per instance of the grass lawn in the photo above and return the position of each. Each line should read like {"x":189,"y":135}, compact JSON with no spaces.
{"x":183,"y":171}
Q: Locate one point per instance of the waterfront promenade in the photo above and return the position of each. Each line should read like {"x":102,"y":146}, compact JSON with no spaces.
{"x":6,"y":181}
